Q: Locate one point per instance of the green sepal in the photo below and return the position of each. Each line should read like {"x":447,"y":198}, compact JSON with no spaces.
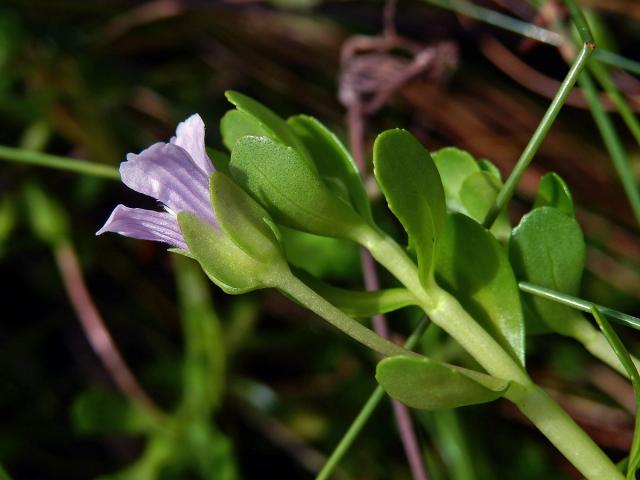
{"x":411,"y":184}
{"x":243,"y":219}
{"x":224,"y":262}
{"x":332,"y":159}
{"x":291,"y":189}
{"x":276,"y":128}
{"x":360,"y":303}
{"x":236,"y":124}
{"x":547,"y":249}
{"x":474,"y":267}
{"x":429,"y":385}
{"x":554,"y":192}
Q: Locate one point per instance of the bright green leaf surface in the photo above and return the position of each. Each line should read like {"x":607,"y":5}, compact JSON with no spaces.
{"x":323,"y":257}
{"x":473,"y":266}
{"x":411,"y":184}
{"x":489,"y":167}
{"x":361,"y":303}
{"x":547,"y":249}
{"x":243,"y":219}
{"x":454,"y":166}
{"x":272,"y":123}
{"x":478,"y":194}
{"x":290,"y":189}
{"x":332,"y":159}
{"x":236,"y":124}
{"x":430,"y":385}
{"x":226,"y":264}
{"x":554,"y":192}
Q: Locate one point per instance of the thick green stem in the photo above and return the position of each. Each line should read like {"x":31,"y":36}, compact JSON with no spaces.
{"x":446,"y":312}
{"x":596,"y":344}
{"x":296,"y":289}
{"x":566,"y":435}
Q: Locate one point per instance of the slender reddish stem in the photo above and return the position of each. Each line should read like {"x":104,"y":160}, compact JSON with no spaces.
{"x":95,"y":329}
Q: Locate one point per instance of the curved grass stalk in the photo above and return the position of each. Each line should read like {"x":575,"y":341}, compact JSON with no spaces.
{"x":31,"y":157}
{"x":507,"y":190}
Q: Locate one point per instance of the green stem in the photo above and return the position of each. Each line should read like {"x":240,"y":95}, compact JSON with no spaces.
{"x":601,"y":74}
{"x":30,"y":157}
{"x":529,"y":30}
{"x":615,"y":60}
{"x":445,"y":311}
{"x":580,"y":329}
{"x":506,"y":192}
{"x":579,"y":304}
{"x":295,"y":288}
{"x":612,"y":142}
{"x":448,"y":314}
{"x":365,"y":413}
{"x":566,"y":435}
{"x":500,"y":20}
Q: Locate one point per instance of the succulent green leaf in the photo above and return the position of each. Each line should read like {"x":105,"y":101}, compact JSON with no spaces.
{"x":411,"y":184}
{"x":474,"y":267}
{"x":236,"y":124}
{"x":291,"y":189}
{"x":332,"y":159}
{"x":478,"y":193}
{"x":225,"y":263}
{"x":243,"y":219}
{"x":429,"y":385}
{"x":360,"y":303}
{"x":276,"y":128}
{"x":323,"y":257}
{"x":547,"y":249}
{"x":454,"y":166}
{"x":489,"y":167}
{"x":554,"y":192}
{"x":106,"y":412}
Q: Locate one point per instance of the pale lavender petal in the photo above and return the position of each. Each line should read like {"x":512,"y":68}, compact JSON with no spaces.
{"x":190,"y":136}
{"x":145,"y":225}
{"x":167,"y":173}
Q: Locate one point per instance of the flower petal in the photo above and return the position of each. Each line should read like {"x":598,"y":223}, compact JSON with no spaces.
{"x":145,"y":225}
{"x":167,"y":173}
{"x":190,"y":136}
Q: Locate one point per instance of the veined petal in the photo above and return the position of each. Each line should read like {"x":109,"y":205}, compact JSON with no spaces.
{"x":190,"y":136}
{"x":145,"y":225}
{"x":167,"y":173}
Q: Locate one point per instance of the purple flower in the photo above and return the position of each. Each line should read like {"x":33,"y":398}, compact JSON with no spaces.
{"x":177,"y":175}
